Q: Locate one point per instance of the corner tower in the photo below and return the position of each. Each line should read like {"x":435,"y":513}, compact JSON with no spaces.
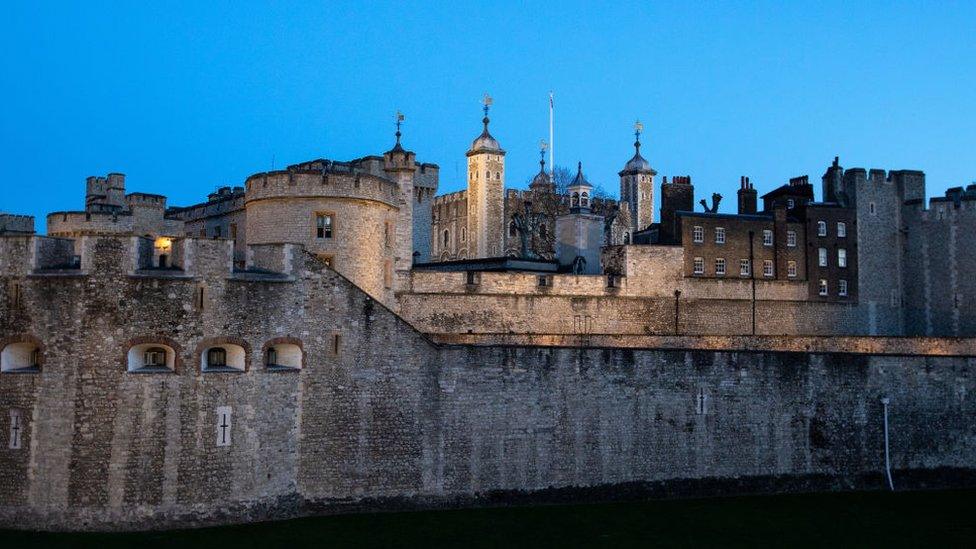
{"x":486,"y":183}
{"x":637,"y":186}
{"x":401,"y":164}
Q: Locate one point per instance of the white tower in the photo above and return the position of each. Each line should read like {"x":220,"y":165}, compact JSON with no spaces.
{"x":486,"y":183}
{"x":637,"y":186}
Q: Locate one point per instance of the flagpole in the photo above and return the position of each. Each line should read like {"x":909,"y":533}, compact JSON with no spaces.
{"x":552,"y":162}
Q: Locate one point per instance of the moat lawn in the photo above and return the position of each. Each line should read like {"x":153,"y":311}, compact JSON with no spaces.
{"x":877,"y":519}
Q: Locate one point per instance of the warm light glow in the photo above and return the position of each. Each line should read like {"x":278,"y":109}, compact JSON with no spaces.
{"x":163,"y":243}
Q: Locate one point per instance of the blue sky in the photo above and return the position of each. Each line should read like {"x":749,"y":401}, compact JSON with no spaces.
{"x":186,"y":97}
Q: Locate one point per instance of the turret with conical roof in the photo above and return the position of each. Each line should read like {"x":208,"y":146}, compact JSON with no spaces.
{"x":580,"y":192}
{"x":637,"y":186}
{"x":486,"y":183}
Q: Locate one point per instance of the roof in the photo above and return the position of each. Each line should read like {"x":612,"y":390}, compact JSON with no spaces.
{"x":637,"y":164}
{"x":485,"y":142}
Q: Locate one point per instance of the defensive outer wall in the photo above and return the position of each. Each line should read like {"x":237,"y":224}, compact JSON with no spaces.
{"x":381,"y":416}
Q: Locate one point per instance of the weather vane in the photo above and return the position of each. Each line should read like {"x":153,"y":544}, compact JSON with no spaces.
{"x":399,"y":120}
{"x":486,"y":101}
{"x":638,"y":128}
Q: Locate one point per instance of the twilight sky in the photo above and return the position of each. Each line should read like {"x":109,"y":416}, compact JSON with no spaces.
{"x":186,"y":97}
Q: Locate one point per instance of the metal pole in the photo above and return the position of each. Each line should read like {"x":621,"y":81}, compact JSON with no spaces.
{"x":552,"y":146}
{"x":891,"y":485}
{"x":752,"y":276}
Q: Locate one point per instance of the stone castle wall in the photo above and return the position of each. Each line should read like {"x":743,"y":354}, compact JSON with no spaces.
{"x":381,"y":416}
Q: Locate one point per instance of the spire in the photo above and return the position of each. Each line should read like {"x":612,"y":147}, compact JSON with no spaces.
{"x":485,"y":142}
{"x":637,"y":164}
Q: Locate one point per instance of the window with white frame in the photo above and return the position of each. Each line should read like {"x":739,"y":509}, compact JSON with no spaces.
{"x":699,"y":266}
{"x":323,"y":225}
{"x":767,"y":237}
{"x":821,"y":228}
{"x":791,"y":269}
{"x":791,"y":239}
{"x":790,"y":203}
{"x":768,"y":268}
{"x":841,"y":257}
{"x":151,"y":357}
{"x":720,"y":266}
{"x":698,"y":234}
{"x":841,"y":229}
{"x":822,"y":257}
{"x":823,"y":286}
{"x":720,"y":235}
{"x":226,"y":357}
{"x":744,"y":269}
{"x":842,"y":287}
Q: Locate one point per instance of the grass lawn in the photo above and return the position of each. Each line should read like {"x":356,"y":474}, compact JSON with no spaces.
{"x":933,"y":519}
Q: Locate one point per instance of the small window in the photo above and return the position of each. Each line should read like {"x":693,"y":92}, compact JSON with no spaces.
{"x":822,"y":257}
{"x":283,"y":356}
{"x":387,"y":234}
{"x":699,"y":266}
{"x":512,"y":230}
{"x":216,"y":357}
{"x":790,"y":203}
{"x":841,"y":257}
{"x":151,"y":357}
{"x":464,"y":234}
{"x":323,"y":225}
{"x":823,"y":286}
{"x":585,"y":200}
{"x":791,"y":269}
{"x":544,"y":282}
{"x":498,"y":176}
{"x":842,"y":288}
{"x":472,"y":278}
{"x":612,"y":281}
{"x":821,"y":228}
{"x":720,"y":266}
{"x":767,"y":237}
{"x":871,"y":208}
{"x":768,"y":268}
{"x":447,"y":238}
{"x":720,"y":235}
{"x":791,"y":239}
{"x":841,"y":229}
{"x":226,"y":357}
{"x":543,"y":232}
{"x":744,"y":269}
{"x":698,"y":234}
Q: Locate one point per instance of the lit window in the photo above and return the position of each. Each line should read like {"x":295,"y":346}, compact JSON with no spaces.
{"x":841,"y":257}
{"x":791,"y":269}
{"x":822,"y":257}
{"x":823,"y":286}
{"x":768,"y":268}
{"x":821,"y":228}
{"x":323,"y":226}
{"x":720,"y":235}
{"x":744,"y":269}
{"x":699,"y":265}
{"x":698,"y":234}
{"x":842,"y":287}
{"x":791,"y":239}
{"x":841,"y":229}
{"x":720,"y":266}
{"x":767,"y":237}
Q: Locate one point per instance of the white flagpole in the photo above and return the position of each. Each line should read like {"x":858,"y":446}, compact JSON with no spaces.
{"x":552,"y":147}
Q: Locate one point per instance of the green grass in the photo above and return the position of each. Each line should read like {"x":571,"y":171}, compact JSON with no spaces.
{"x":933,"y":519}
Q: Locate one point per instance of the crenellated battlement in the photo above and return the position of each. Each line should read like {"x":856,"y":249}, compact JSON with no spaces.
{"x":165,"y":258}
{"x":330,"y":182}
